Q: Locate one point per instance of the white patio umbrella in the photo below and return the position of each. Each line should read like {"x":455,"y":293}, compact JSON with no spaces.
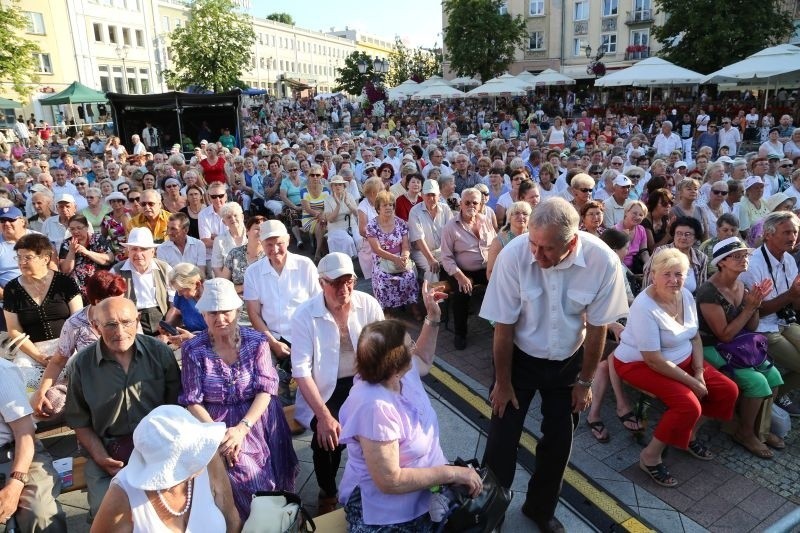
{"x":526,"y":85}
{"x":551,"y":77}
{"x":433,"y":80}
{"x":438,"y":91}
{"x":408,"y":87}
{"x":464,"y":81}
{"x":499,"y":87}
{"x":526,"y":76}
{"x":650,"y":72}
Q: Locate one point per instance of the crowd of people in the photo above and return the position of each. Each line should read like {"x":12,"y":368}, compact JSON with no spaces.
{"x":604,"y":251}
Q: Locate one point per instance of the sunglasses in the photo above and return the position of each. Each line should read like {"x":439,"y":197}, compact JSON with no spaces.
{"x":171,"y":186}
{"x":7,"y":220}
{"x":720,"y":193}
{"x":134,"y":199}
{"x":315,"y":175}
{"x":216,"y":196}
{"x":786,"y":166}
{"x":467,"y":202}
{"x":341,"y":282}
{"x":149,"y":204}
{"x":585,"y":191}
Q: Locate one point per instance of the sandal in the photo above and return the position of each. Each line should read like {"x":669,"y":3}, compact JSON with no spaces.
{"x":659,"y":474}
{"x":698,"y":450}
{"x":598,"y":428}
{"x":762,"y":452}
{"x":775,"y":442}
{"x":630,"y":418}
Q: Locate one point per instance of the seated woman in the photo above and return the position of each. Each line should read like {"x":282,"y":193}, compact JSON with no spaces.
{"x":76,"y":334}
{"x":84,"y":253}
{"x":235,"y":235}
{"x":391,"y":431}
{"x":518,"y":214}
{"x":187,"y":281}
{"x":37,"y":303}
{"x":228,"y":377}
{"x":341,"y":214}
{"x":174,"y":481}
{"x":660,"y":352}
{"x":727,"y":309}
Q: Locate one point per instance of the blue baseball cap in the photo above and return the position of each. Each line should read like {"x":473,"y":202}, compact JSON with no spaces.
{"x":11,"y":213}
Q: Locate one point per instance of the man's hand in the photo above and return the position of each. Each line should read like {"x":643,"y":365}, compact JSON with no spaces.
{"x":581,"y":398}
{"x":328,"y":431}
{"x":40,"y":404}
{"x":110,"y":465}
{"x":464,"y":283}
{"x":9,"y":499}
{"x":500,"y":396}
{"x":280,"y":349}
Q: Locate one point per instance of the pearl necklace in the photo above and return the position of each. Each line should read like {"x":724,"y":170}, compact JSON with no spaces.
{"x":188,"y":500}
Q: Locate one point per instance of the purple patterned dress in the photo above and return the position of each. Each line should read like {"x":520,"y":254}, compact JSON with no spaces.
{"x":391,"y":290}
{"x":267,"y":460}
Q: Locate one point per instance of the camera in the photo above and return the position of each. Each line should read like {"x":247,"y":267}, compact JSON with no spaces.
{"x":787,"y":314}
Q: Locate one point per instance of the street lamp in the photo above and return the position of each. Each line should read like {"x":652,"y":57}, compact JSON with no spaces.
{"x":122,"y":53}
{"x":588,"y":51}
{"x":362,"y":66}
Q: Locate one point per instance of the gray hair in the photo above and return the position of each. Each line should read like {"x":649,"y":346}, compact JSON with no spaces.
{"x":774,"y":219}
{"x":230,"y":208}
{"x":556,"y":212}
{"x":184,"y":276}
{"x":346,"y":172}
{"x":609,"y":174}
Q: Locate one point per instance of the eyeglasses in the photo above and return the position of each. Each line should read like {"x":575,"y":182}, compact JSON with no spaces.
{"x":738,"y":256}
{"x":216,"y":196}
{"x":786,"y":166}
{"x":171,"y":186}
{"x":685,"y":234}
{"x":115,"y":200}
{"x":473,"y":203}
{"x":8,"y":220}
{"x":315,"y":175}
{"x":585,"y":191}
{"x":111,"y":326}
{"x":720,"y":193}
{"x":149,"y":204}
{"x":293,"y":169}
{"x":23,"y":259}
{"x":485,"y":194}
{"x":134,"y":199}
{"x":338,"y":283}
{"x":616,"y":164}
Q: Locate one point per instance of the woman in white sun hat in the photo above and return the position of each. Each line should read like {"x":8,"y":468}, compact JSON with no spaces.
{"x":174,"y":481}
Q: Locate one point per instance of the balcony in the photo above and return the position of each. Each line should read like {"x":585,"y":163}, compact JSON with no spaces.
{"x":644,"y":16}
{"x":636,"y":52}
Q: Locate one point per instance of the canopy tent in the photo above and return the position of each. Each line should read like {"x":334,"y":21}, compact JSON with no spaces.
{"x":5,"y":103}
{"x":326,"y":96}
{"x":777,"y":65}
{"x":650,"y":72}
{"x":76,"y":93}
{"x":499,"y":87}
{"x":464,"y":81}
{"x":433,"y":80}
{"x":550,"y":77}
{"x":437,"y":91}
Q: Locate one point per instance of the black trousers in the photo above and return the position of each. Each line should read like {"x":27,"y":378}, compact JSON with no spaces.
{"x":149,"y":319}
{"x":326,"y":463}
{"x":459,"y":301}
{"x":553,"y":380}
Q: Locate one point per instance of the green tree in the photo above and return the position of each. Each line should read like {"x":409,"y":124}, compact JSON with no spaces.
{"x":479,"y":39}
{"x":706,"y":35}
{"x":350,"y":80}
{"x":213,"y":47}
{"x":286,"y":18}
{"x":417,"y":64}
{"x":17,"y":62}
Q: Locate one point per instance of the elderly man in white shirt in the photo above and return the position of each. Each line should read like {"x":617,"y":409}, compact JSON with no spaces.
{"x":275,"y":285}
{"x":56,"y":228}
{"x":551,"y":295}
{"x":425,"y":223}
{"x":181,"y":248}
{"x":667,"y":141}
{"x":209,"y":221}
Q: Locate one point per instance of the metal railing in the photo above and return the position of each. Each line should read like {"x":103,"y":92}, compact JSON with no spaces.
{"x":643,"y":16}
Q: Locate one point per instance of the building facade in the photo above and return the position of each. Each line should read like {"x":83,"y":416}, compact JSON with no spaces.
{"x":559,"y":32}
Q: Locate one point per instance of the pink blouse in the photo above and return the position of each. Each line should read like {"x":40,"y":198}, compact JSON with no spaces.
{"x":637,"y":244}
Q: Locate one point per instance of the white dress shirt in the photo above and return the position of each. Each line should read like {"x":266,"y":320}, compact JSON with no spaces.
{"x":194,"y":252}
{"x":783,"y":274}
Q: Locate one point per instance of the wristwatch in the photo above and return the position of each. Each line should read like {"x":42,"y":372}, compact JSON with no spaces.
{"x":20,"y":476}
{"x":583,"y":383}
{"x":246,"y":423}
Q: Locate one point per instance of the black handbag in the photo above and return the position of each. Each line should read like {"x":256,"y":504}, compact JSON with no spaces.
{"x":481,"y":514}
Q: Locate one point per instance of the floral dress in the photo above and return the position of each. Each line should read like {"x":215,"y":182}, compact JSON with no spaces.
{"x":84,"y":267}
{"x":116,"y":234}
{"x":391,"y":290}
{"x":267,"y":460}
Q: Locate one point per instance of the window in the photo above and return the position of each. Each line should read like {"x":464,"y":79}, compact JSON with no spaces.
{"x":139,"y":38}
{"x":610,"y":8}
{"x":503,"y":9}
{"x":640,"y":8}
{"x":126,"y":36}
{"x":536,"y":8}
{"x":112,"y":34}
{"x":164,"y":23}
{"x":608,"y":43}
{"x":131,"y":76}
{"x":98,"y":32}
{"x":118,"y":86}
{"x":536,"y":41}
{"x":640,"y":38}
{"x":43,"y":65}
{"x":578,"y":47}
{"x":105,"y":80}
{"x":281,"y":64}
{"x":581,"y":10}
{"x":35,"y":23}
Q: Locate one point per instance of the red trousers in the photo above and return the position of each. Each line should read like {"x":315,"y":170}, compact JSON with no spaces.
{"x":683,"y":407}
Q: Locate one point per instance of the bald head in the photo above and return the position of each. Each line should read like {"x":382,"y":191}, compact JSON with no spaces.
{"x":115,"y":307}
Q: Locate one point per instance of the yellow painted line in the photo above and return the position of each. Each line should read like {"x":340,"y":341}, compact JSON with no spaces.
{"x":600,"y":499}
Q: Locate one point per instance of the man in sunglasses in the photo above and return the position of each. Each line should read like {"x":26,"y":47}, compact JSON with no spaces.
{"x":152,"y":217}
{"x":209,"y":221}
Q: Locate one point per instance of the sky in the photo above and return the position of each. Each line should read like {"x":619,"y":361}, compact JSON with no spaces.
{"x":417,"y":22}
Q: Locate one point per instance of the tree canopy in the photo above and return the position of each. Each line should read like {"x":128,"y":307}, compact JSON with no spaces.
{"x":213,"y":47}
{"x":286,"y":18}
{"x":18,"y":64}
{"x":417,"y":64}
{"x":706,"y":35}
{"x":478,"y":39}
{"x":350,"y":80}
